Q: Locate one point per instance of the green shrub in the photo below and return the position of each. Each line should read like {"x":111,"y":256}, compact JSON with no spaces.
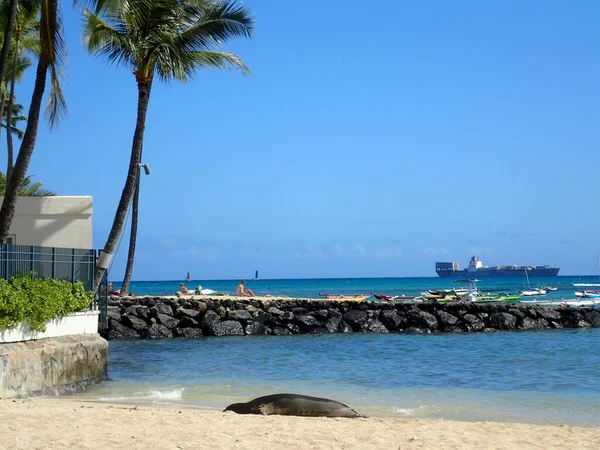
{"x":35,"y":301}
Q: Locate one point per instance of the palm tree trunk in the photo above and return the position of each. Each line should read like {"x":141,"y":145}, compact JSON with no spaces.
{"x":133,"y":236}
{"x":11,"y":99}
{"x":8,"y":35}
{"x":144,"y":86}
{"x":27,"y":146}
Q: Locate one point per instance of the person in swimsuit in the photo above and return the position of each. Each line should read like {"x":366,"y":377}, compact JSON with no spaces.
{"x":240,"y":292}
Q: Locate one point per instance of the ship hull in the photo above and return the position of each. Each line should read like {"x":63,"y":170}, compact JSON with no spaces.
{"x":491,"y":272}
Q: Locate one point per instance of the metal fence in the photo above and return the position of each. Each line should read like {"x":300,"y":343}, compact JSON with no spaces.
{"x":69,"y":264}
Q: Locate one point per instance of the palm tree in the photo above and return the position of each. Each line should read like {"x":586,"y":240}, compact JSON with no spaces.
{"x":15,"y":118}
{"x":52,"y":56}
{"x":9,"y":28}
{"x":132,"y":236}
{"x":27,"y":32}
{"x":28,"y":188}
{"x":170,"y":39}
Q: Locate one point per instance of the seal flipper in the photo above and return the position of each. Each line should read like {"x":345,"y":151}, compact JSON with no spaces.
{"x":266,"y":409}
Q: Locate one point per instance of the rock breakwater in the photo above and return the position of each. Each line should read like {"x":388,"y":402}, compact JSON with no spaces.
{"x":159,"y":317}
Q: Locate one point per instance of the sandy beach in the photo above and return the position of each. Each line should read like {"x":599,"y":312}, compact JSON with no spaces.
{"x":44,"y":423}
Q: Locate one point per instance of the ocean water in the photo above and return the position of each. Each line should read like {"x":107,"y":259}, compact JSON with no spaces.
{"x":543,"y":377}
{"x":310,"y":288}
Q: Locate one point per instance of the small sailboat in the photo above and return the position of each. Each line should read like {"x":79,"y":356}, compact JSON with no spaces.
{"x":188,"y":278}
{"x":256,"y":275}
{"x":530,"y":292}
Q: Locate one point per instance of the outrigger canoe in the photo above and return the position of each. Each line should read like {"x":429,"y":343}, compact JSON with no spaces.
{"x":395,"y":298}
{"x":345,"y":297}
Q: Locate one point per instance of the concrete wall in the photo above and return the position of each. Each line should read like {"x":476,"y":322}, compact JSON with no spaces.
{"x":84,"y":322}
{"x":54,"y":366}
{"x":53,"y":222}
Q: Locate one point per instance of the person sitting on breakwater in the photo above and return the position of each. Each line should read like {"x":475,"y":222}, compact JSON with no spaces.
{"x":183,"y":291}
{"x":243,"y":293}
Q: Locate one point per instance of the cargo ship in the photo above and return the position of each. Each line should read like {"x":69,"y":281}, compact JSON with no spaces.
{"x":477,"y":269}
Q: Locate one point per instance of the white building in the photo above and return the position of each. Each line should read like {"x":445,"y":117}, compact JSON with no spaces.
{"x":52,"y":222}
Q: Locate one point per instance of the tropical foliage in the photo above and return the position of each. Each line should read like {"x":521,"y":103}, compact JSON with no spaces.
{"x":52,"y":57}
{"x":34,"y":301}
{"x":28,"y":187}
{"x":164,"y":39}
{"x":168,"y":39}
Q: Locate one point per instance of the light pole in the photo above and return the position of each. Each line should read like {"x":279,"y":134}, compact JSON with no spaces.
{"x":133,"y":236}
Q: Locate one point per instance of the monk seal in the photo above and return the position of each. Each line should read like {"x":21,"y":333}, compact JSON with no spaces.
{"x":294,"y":405}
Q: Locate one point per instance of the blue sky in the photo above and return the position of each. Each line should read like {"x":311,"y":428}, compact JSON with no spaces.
{"x":370,"y":140}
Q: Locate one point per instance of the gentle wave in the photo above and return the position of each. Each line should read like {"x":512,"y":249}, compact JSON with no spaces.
{"x":586,"y":284}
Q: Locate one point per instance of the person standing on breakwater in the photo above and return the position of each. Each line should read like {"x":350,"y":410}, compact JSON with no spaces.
{"x":243,"y":293}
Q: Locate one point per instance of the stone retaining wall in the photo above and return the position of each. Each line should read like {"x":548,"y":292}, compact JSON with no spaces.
{"x":53,"y":366}
{"x":157,"y":317}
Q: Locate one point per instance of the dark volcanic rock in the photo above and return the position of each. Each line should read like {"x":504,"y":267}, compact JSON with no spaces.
{"x":415,"y":330}
{"x":209,"y":318}
{"x":143,"y":312}
{"x":453,"y":329}
{"x":532,"y":324}
{"x":318,"y":330}
{"x":356,"y":319}
{"x":167,"y":321}
{"x":186,"y":312}
{"x":548,"y":313}
{"x":199,"y":306}
{"x":161,"y":308}
{"x":428,"y":320}
{"x":473,"y":322}
{"x":275,"y":311}
{"x":256,"y":328}
{"x":288,"y":316}
{"x":239,"y":314}
{"x":226,"y":328}
{"x":375,"y":326}
{"x":295,"y":329}
{"x":267,"y":319}
{"x":114,"y":313}
{"x":157,"y":331}
{"x":119,"y":331}
{"x":322,"y":314}
{"x":593,"y":318}
{"x":393,"y":321}
{"x":278,"y":331}
{"x":307,"y":321}
{"x":332,"y":325}
{"x":447,"y":318}
{"x":502,"y":321}
{"x":134,"y":322}
{"x":189,"y":332}
{"x":188,"y":322}
{"x":344,"y":327}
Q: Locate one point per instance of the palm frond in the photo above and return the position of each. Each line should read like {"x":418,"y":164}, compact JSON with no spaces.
{"x":216,"y":22}
{"x":23,"y":63}
{"x":28,"y":188}
{"x":170,"y":38}
{"x":53,"y":50}
{"x":105,"y":40}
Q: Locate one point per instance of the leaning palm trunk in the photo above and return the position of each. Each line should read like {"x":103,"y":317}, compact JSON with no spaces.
{"x":4,"y":53}
{"x":11,"y":99}
{"x":144,"y":86}
{"x":27,"y":145}
{"x":133,"y":236}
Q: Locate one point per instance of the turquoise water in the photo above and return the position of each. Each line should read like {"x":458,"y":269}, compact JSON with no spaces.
{"x":545,"y":377}
{"x":310,"y":288}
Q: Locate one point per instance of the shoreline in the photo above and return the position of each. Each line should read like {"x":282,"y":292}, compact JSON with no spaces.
{"x":63,"y":422}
